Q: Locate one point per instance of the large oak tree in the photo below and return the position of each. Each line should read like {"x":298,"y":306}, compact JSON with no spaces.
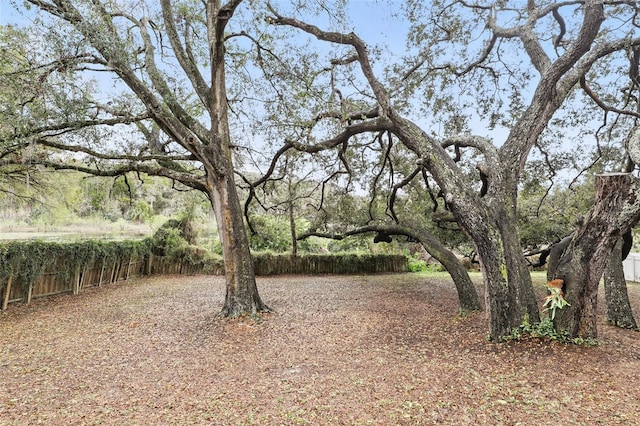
{"x":143,"y":88}
{"x":534,"y":59}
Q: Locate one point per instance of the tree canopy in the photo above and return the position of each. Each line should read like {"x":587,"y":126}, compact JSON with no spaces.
{"x":482,"y":100}
{"x":523,"y":77}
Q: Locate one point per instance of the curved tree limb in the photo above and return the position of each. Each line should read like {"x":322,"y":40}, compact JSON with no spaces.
{"x":105,"y":156}
{"x":467,"y":294}
{"x":58,"y":129}
{"x":375,"y":125}
{"x":188,"y":179}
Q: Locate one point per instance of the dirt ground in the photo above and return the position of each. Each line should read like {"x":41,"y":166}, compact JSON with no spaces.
{"x":354,"y":350}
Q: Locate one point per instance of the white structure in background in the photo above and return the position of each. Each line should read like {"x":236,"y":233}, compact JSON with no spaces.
{"x":632,"y":267}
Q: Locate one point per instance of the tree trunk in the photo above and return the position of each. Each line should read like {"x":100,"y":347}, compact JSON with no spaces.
{"x":518,"y":273}
{"x":619,"y":311}
{"x":292,"y":219}
{"x":242,"y":292}
{"x":499,"y":299}
{"x":508,"y":289}
{"x":616,"y":209}
{"x":555,"y":253}
{"x":242,"y":296}
{"x":467,"y":294}
{"x":292,"y":228}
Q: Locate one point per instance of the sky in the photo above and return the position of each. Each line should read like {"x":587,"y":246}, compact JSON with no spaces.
{"x":8,"y":13}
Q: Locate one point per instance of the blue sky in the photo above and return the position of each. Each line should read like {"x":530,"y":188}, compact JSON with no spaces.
{"x":377,"y":22}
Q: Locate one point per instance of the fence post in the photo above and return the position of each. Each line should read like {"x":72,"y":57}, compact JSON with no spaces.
{"x":101,"y":274}
{"x":76,"y":280}
{"x":27,"y":297}
{"x":113,"y":271}
{"x":147,"y":268}
{"x":7,"y":290}
{"x":128,"y":269}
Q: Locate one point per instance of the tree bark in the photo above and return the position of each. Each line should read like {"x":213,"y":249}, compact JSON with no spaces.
{"x":467,"y":294}
{"x":619,"y":311}
{"x":242,"y":296}
{"x":555,"y":253}
{"x":490,"y":223}
{"x":499,"y":298}
{"x":508,"y":289}
{"x":517,"y":271}
{"x":616,"y":210}
{"x":292,"y":219}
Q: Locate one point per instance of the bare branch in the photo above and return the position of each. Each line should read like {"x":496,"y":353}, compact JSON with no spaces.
{"x":396,"y":188}
{"x":350,"y":39}
{"x":385,"y":159}
{"x":602,"y":104}
{"x":186,"y":60}
{"x":266,"y":176}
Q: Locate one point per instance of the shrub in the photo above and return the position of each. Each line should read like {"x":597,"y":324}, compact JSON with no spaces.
{"x":420,"y":265}
{"x":175,"y":239}
{"x":272,"y":234}
{"x":417,"y":265}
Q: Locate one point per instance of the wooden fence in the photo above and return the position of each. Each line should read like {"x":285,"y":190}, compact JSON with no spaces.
{"x":280,"y":264}
{"x":53,"y":281}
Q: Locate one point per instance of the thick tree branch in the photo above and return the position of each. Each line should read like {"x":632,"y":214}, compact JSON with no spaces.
{"x":186,"y":60}
{"x":66,"y":127}
{"x":107,"y":43}
{"x":105,"y":156}
{"x":376,"y":125}
{"x":554,"y":87}
{"x":188,"y":179}
{"x":350,"y":117}
{"x":168,"y":95}
{"x":387,"y":229}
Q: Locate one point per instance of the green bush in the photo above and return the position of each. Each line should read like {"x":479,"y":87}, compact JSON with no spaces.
{"x":350,"y":245}
{"x":175,"y":239}
{"x":417,"y":265}
{"x":271,"y":234}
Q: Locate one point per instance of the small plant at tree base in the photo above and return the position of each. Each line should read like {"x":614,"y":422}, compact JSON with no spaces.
{"x":545,"y":330}
{"x":463,"y":313}
{"x":555,"y":299}
{"x":541,"y":330}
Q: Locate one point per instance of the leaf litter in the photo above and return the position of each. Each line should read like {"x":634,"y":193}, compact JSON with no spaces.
{"x":338,"y":350}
